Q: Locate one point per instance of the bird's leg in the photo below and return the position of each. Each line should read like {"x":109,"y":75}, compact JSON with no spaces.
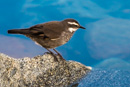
{"x":59,"y":54}
{"x":50,"y":51}
{"x":55,"y":58}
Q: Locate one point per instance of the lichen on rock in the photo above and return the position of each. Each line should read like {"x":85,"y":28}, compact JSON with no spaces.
{"x":40,"y":71}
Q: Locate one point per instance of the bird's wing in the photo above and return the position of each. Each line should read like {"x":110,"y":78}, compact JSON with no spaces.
{"x":52,"y":31}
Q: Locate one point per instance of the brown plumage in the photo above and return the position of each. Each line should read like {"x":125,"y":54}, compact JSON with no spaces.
{"x":51,"y":34}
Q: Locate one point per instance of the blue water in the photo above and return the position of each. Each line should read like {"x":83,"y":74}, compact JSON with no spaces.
{"x":106,"y":78}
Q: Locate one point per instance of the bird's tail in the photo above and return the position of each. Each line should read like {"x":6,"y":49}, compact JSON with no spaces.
{"x":18,"y":31}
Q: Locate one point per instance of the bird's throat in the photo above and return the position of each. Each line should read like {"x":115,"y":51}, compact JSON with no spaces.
{"x":72,"y":29}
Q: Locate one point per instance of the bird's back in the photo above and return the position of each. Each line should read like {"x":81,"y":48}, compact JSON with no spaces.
{"x":51,"y":30}
{"x":55,"y":32}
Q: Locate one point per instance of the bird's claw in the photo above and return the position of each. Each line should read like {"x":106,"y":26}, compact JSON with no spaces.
{"x":55,"y":57}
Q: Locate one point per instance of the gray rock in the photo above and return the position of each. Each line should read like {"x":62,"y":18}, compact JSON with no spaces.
{"x":40,"y":71}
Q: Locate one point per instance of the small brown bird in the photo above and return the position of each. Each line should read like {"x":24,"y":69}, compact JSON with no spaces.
{"x":51,"y":34}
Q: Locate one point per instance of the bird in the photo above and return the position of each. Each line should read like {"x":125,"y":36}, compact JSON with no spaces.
{"x":51,"y":34}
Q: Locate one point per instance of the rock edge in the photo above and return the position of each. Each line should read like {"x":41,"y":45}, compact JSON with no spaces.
{"x":40,"y":71}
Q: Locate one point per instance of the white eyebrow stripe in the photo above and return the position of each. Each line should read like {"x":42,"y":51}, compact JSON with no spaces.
{"x":73,"y":23}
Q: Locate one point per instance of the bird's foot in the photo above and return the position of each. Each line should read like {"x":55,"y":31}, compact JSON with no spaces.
{"x":59,"y":55}
{"x":55,"y":57}
{"x":47,"y":53}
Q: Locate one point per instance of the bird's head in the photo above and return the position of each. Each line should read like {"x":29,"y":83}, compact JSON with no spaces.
{"x":72,"y":25}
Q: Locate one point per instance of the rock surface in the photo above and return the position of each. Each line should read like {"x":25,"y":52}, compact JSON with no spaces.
{"x":40,"y":71}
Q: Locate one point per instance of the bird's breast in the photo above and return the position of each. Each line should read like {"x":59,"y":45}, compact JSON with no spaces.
{"x":65,"y":37}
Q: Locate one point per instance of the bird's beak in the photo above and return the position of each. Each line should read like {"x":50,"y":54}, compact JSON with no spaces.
{"x":82,"y":27}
